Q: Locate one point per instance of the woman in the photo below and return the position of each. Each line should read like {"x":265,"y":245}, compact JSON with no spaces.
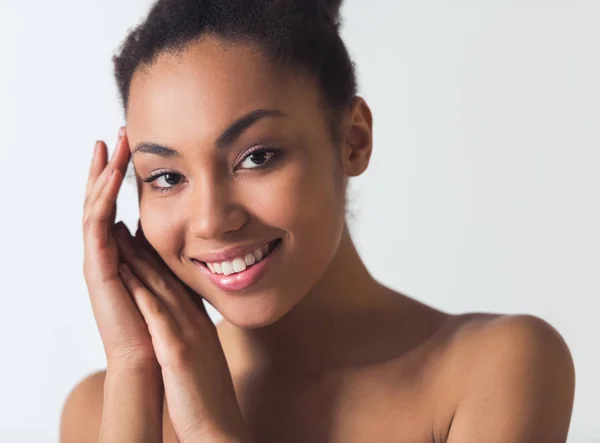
{"x":244,"y":127}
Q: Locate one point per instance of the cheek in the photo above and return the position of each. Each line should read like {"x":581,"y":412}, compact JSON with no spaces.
{"x":304,"y":200}
{"x":301,"y":199}
{"x":161,"y":226}
{"x":301,"y":194}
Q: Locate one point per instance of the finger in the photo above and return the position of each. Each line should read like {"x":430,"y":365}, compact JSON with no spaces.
{"x":115,"y":310}
{"x":194,"y":297}
{"x":197,"y":300}
{"x":158,"y":279}
{"x":155,"y":258}
{"x":118,"y":160}
{"x":146,"y":248}
{"x":121,"y":155}
{"x":113,"y":213}
{"x":98,"y":162}
{"x":99,"y":218}
{"x":158,"y":318}
{"x":107,"y":200}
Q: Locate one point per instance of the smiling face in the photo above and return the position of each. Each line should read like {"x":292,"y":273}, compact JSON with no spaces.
{"x":273,"y":175}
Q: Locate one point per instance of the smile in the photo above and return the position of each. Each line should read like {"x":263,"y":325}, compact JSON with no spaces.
{"x":241,"y":272}
{"x":240,"y":264}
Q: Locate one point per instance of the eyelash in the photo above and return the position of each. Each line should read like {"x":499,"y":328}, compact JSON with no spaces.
{"x":269,"y":150}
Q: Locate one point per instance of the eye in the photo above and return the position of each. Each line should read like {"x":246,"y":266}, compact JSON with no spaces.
{"x":164,"y":181}
{"x":258,"y":158}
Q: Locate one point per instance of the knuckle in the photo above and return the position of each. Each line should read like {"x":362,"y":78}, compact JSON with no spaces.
{"x":88,"y":222}
{"x":90,"y":218}
{"x":142,"y":295}
{"x":88,"y":198}
{"x":159,"y":284}
{"x":156,"y":308}
{"x":180,"y":354}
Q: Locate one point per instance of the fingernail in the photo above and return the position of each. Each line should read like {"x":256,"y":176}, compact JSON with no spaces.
{"x":122,"y":131}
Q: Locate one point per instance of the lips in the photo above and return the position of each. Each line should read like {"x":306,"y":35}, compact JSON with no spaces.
{"x":244,"y":279}
{"x":231,"y":253}
{"x":258,"y":254}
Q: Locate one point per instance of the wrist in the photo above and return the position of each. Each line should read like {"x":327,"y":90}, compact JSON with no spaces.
{"x":133,"y":368}
{"x":222,"y":437}
{"x":132,"y":404}
{"x":219,"y":434}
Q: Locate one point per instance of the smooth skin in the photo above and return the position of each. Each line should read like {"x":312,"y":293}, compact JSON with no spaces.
{"x":154,"y":334}
{"x":317,"y":350}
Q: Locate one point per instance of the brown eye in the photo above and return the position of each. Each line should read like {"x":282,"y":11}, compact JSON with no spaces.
{"x":257,"y":159}
{"x":164,"y":181}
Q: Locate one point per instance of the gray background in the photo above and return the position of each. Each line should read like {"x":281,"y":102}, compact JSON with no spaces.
{"x":482,"y":195}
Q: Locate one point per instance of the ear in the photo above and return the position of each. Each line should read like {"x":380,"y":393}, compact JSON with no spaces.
{"x":357,"y":139}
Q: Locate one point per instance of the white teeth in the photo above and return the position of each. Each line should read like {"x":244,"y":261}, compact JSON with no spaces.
{"x":239,"y":264}
{"x":249,"y":259}
{"x":227,"y":267}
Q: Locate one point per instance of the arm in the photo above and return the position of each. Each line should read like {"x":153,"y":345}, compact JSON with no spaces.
{"x":82,"y":411}
{"x":132,"y":411}
{"x":520,"y":388}
{"x":114,"y":406}
{"x":132,"y":388}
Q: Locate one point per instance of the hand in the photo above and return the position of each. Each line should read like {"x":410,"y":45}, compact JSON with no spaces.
{"x":122,"y":328}
{"x":198,"y":387}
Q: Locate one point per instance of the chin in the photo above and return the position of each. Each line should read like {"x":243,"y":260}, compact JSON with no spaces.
{"x":254,"y":314}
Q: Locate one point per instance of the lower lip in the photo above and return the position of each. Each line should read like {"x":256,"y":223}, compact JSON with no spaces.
{"x":244,"y":279}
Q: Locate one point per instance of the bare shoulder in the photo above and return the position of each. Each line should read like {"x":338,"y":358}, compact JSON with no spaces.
{"x":515,"y":377}
{"x":481,"y":338}
{"x":82,"y":410}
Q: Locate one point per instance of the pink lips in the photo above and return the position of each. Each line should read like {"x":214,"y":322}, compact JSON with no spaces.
{"x":244,"y":279}
{"x":233,"y":252}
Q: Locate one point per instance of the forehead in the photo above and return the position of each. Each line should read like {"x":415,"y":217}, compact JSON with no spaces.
{"x":208,"y":85}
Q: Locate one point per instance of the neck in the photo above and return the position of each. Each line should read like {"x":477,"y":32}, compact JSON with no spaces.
{"x":326,"y":329}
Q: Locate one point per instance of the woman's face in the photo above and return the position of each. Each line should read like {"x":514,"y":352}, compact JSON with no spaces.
{"x":217,"y":195}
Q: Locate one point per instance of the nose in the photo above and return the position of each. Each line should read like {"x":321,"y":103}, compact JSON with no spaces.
{"x":213,"y":210}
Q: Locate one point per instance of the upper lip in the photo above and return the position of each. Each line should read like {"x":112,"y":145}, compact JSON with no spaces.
{"x":233,"y":252}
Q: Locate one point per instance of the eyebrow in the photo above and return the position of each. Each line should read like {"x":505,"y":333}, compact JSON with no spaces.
{"x":229,"y":135}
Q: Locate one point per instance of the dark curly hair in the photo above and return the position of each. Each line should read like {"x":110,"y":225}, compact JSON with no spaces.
{"x":295,"y":34}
